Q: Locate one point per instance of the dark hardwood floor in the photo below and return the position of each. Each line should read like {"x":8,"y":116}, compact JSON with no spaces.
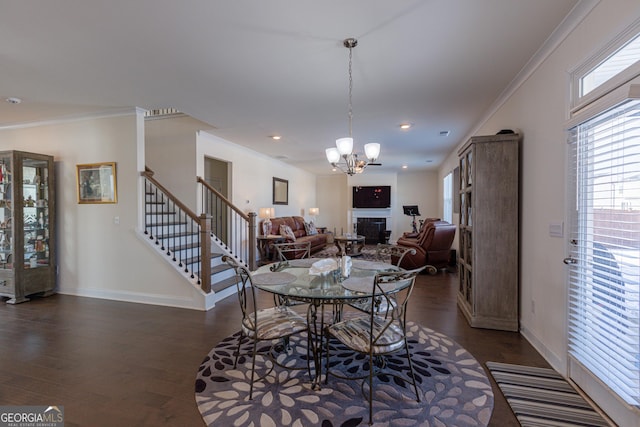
{"x":113,"y":363}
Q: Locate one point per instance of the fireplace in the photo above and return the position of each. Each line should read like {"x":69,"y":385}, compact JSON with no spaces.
{"x":373,"y":229}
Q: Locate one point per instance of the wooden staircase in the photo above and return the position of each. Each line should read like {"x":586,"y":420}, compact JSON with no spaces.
{"x":181,"y":244}
{"x":185,"y":240}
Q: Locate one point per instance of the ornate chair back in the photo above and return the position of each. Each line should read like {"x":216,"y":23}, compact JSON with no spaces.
{"x":293,"y":250}
{"x":396,"y":252}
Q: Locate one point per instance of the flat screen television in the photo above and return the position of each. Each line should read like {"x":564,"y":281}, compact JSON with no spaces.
{"x":372,"y":197}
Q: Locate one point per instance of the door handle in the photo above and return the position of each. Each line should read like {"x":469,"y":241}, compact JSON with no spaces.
{"x":570,"y":260}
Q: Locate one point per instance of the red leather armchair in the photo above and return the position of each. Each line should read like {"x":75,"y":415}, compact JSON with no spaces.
{"x":423,"y":226}
{"x":433,"y":247}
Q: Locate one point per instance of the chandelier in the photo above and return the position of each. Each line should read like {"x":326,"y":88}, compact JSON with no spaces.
{"x":342,"y":156}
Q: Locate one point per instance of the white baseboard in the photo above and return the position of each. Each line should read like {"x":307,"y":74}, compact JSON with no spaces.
{"x":558,"y":363}
{"x":136,"y":297}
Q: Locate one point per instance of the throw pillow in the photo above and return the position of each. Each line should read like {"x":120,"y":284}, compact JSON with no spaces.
{"x":310,"y":228}
{"x":287,"y":233}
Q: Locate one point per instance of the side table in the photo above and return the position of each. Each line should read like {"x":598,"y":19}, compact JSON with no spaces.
{"x":264,"y":247}
{"x":350,"y":245}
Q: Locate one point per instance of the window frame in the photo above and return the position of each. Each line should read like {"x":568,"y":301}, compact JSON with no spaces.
{"x":578,"y":101}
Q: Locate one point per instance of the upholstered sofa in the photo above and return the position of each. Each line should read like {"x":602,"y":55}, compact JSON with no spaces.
{"x":432,"y":245}
{"x":297,"y":223}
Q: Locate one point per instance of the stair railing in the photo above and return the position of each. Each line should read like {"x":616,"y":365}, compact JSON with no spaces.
{"x":178,"y":231}
{"x":235,"y":229}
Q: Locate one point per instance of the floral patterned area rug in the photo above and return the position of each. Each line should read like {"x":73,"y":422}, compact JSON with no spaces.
{"x":453,"y":387}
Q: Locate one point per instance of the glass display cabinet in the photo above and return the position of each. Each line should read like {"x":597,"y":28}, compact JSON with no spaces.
{"x":27,"y":225}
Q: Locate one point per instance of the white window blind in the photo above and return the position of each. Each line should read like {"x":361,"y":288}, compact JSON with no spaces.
{"x":604,"y":277}
{"x":447,"y":197}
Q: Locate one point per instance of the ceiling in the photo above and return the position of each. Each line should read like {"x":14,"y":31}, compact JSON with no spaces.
{"x":251,"y":69}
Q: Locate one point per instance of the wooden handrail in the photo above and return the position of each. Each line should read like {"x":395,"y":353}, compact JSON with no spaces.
{"x":224,"y":199}
{"x":148,"y":173}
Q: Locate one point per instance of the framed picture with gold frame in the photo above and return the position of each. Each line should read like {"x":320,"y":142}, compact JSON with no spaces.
{"x":96,"y":183}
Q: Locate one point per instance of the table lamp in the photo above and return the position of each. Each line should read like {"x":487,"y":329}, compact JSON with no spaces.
{"x":314,"y":212}
{"x":266,"y":214}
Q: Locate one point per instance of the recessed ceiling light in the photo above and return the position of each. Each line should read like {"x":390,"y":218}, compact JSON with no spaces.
{"x":444,"y":133}
{"x":275,"y":137}
{"x":405,"y":126}
{"x":404,"y":166}
{"x":13,"y":100}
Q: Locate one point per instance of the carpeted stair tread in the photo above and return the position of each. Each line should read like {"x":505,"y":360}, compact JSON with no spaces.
{"x":223,"y":284}
{"x":214,"y":270}
{"x":174,"y":235}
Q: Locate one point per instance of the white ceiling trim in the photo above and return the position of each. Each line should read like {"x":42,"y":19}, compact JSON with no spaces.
{"x":118,"y":112}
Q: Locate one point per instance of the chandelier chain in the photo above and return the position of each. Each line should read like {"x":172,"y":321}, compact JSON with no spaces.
{"x":350,"y":91}
{"x":344,"y":146}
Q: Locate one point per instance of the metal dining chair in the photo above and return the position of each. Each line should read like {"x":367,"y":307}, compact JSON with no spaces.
{"x":292,"y":250}
{"x":287,"y":251}
{"x":383,"y":250}
{"x":261,"y":324}
{"x":393,"y":251}
{"x":376,"y":335}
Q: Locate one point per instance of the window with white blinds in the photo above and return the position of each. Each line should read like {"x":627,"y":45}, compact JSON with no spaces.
{"x":604,"y":276}
{"x":447,"y":197}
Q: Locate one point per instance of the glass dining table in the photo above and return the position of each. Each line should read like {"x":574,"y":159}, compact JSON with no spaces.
{"x":298,"y":281}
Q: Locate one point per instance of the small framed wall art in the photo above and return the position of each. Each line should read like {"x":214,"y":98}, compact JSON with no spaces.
{"x":96,"y":183}
{"x":280,"y":191}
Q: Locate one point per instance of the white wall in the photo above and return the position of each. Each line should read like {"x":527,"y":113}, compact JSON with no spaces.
{"x":252,"y":177}
{"x":538,"y":108}
{"x":333,"y":201}
{"x":170,"y":151}
{"x":418,"y":188}
{"x":97,"y":257}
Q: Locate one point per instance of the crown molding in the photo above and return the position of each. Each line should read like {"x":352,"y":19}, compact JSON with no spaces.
{"x":116,"y":112}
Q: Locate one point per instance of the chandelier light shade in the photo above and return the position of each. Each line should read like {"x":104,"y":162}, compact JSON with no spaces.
{"x":342,"y":156}
{"x":333,"y":155}
{"x":345,"y":146}
{"x":372,"y":151}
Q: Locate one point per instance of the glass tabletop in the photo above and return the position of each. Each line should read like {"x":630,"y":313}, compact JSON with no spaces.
{"x":294,"y":280}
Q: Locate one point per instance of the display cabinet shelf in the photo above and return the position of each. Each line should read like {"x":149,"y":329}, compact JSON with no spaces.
{"x":27,"y":225}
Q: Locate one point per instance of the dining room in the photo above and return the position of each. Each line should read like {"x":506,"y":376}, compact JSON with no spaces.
{"x":155,"y":352}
